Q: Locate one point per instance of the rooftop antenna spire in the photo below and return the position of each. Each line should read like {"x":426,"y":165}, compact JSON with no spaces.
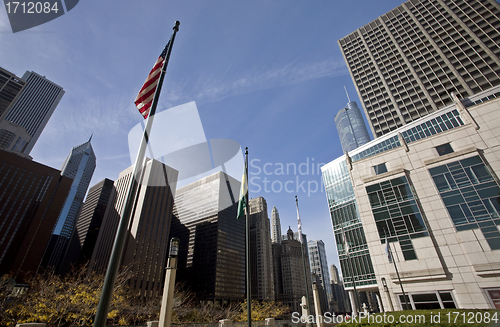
{"x":349,"y":100}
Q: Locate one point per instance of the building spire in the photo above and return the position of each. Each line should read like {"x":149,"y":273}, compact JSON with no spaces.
{"x":348,"y":100}
{"x":90,"y":137}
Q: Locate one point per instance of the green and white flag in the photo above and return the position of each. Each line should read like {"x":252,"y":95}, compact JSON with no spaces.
{"x":242,"y":204}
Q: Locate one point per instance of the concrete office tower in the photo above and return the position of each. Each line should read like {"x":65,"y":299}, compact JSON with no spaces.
{"x":34,"y":107}
{"x":12,"y":136}
{"x":147,"y":243}
{"x":79,"y":165}
{"x":319,"y":267}
{"x":288,"y":255}
{"x":433,"y":200}
{"x":212,"y":248}
{"x":88,"y":224}
{"x":406,"y":63}
{"x":262,"y":281}
{"x":275,"y":226}
{"x":351,"y":127}
{"x":10,"y":88}
{"x":31,"y":197}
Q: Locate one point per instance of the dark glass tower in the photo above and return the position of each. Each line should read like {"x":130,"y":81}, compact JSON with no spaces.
{"x":88,"y":225}
{"x":212,"y":249}
{"x":79,"y":165}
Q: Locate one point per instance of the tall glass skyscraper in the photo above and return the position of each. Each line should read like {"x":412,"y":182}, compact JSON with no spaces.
{"x":351,"y":127}
{"x":34,"y":106}
{"x":407,"y":62}
{"x":319,"y":267}
{"x":212,"y":248}
{"x":79,"y":165}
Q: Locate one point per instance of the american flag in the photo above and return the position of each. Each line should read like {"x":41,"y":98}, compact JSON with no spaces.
{"x":145,"y":97}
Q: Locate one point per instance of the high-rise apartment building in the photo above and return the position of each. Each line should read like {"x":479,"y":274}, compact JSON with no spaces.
{"x":275,"y":226}
{"x":34,"y":106}
{"x":146,"y":246}
{"x":319,"y":267}
{"x":405,"y":64}
{"x":79,"y":165}
{"x":31,"y":197}
{"x":351,"y":127}
{"x":291,"y":280}
{"x":88,"y":224}
{"x":261,"y":266}
{"x":428,"y":193}
{"x":212,"y":241}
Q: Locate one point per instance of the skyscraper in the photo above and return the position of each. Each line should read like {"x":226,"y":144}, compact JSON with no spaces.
{"x":79,"y":165}
{"x":34,"y":106}
{"x":351,"y":127}
{"x":212,"y":248}
{"x":12,"y":136}
{"x":406,"y":63}
{"x":31,"y":197}
{"x":10,"y":88}
{"x":288,"y":255}
{"x":338,"y":291}
{"x":146,"y":247}
{"x":88,"y":225}
{"x":319,"y":267}
{"x":261,"y":267}
{"x":275,"y":226}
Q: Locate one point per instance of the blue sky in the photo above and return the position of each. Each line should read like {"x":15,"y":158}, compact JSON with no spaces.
{"x":267,"y":74}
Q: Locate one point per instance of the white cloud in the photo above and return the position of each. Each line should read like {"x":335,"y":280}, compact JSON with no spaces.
{"x":216,"y":88}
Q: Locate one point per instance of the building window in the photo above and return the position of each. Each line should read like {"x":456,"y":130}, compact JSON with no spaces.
{"x":471,"y":196}
{"x":494,"y":295}
{"x":429,"y":300}
{"x":396,"y":213}
{"x":444,"y":149}
{"x":380,"y":169}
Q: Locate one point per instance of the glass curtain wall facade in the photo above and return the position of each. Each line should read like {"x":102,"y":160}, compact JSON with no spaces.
{"x":212,"y":248}
{"x":355,"y":263}
{"x":351,"y":127}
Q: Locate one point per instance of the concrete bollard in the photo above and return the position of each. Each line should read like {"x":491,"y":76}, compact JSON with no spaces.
{"x":153,"y":323}
{"x":32,"y":324}
{"x":270,"y":322}
{"x":225,"y":323}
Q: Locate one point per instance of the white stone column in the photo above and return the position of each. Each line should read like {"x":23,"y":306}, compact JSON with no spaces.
{"x":354,"y":307}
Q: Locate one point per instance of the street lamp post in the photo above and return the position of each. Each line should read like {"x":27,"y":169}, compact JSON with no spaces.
{"x":167,"y":300}
{"x":384,"y":284}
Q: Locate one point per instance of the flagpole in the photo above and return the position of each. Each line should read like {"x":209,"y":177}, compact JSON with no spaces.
{"x":303,"y":259}
{"x":121,"y":234}
{"x":247,"y":247}
{"x":397,"y":273}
